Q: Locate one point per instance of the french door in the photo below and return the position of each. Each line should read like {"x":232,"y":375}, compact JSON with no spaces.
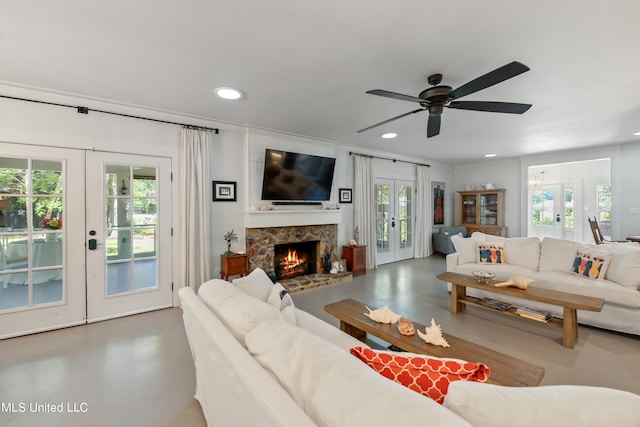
{"x":42,"y":274}
{"x":83,"y":236}
{"x":394,"y":220}
{"x":128,"y":233}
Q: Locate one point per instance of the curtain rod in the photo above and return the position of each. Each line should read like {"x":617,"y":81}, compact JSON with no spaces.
{"x":385,"y":158}
{"x":85,"y":110}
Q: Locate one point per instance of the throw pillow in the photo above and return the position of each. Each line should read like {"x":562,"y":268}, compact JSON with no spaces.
{"x":429,"y":376}
{"x":590,"y":264}
{"x":257,"y":283}
{"x":280,"y":299}
{"x":491,"y":254}
{"x":467,"y":249}
{"x":236,"y":309}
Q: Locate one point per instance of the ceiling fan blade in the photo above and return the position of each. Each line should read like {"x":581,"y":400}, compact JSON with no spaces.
{"x":394,"y":95}
{"x":491,"y":78}
{"x":391,"y":119}
{"x":492,"y":107}
{"x":433,"y":127}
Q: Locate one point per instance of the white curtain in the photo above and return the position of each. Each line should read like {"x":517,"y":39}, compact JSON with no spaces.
{"x":363,"y":206}
{"x":195,"y":206}
{"x":423,"y":212}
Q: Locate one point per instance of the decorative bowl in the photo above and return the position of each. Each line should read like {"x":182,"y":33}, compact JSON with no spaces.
{"x":483,"y":276}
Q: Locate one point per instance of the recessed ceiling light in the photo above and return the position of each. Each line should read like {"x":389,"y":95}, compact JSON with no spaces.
{"x":389,"y":135}
{"x":637,"y":133}
{"x":490,"y":155}
{"x":228,"y":93}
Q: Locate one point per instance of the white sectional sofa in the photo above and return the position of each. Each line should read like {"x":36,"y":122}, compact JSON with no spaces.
{"x":549,"y":263}
{"x":257,"y":367}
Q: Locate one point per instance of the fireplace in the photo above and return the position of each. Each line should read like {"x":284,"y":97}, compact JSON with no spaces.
{"x":295,"y":259}
{"x":312,"y":242}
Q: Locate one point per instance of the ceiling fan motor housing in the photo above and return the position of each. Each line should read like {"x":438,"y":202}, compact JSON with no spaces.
{"x":436,"y":98}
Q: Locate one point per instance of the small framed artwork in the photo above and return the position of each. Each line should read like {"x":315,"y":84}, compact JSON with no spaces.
{"x":438,"y":202}
{"x":344,"y":195}
{"x":224,"y":191}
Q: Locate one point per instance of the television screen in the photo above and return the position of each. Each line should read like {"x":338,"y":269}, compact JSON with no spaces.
{"x":295,"y":176}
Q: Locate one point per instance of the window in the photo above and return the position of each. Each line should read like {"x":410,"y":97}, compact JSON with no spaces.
{"x":604,"y":209}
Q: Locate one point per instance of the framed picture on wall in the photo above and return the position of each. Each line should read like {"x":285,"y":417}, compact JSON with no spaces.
{"x":437,"y":190}
{"x":224,"y":191}
{"x":344,"y":195}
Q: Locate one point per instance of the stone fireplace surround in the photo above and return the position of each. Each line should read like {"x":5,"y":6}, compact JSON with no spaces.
{"x":260,"y":243}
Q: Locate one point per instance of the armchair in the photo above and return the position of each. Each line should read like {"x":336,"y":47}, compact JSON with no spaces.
{"x":442,"y":239}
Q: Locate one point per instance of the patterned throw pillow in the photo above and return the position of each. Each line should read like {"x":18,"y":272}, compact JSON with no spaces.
{"x":429,"y":376}
{"x":590,"y":265}
{"x":491,"y":254}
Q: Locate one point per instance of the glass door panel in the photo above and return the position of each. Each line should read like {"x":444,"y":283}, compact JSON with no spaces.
{"x":37,"y":260}
{"x":125,"y":263}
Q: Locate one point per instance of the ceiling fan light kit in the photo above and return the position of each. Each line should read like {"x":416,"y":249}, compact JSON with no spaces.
{"x":436,"y":98}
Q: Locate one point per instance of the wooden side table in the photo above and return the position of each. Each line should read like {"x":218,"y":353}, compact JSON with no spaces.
{"x":231,"y":265}
{"x":356,"y":257}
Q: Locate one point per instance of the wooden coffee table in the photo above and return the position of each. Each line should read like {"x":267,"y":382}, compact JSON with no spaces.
{"x":505,"y":370}
{"x":569,"y":302}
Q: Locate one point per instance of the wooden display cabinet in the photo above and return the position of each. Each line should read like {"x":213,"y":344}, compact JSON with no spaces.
{"x":483,"y":210}
{"x":231,"y":265}
{"x":356,"y":257}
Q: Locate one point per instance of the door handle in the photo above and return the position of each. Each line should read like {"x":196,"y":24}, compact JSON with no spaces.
{"x":557,"y":217}
{"x":93,"y":244}
{"x":393,"y":222}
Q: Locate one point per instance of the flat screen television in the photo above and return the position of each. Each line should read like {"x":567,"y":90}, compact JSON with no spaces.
{"x":292,"y":176}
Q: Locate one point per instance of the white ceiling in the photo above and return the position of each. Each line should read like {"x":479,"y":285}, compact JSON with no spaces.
{"x":305,"y":65}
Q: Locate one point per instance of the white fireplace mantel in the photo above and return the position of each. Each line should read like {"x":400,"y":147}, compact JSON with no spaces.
{"x":284,"y":218}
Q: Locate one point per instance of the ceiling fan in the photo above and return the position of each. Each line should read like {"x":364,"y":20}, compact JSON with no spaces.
{"x":435,"y":98}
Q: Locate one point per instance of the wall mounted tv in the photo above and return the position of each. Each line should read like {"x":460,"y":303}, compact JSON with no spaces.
{"x":296,"y":177}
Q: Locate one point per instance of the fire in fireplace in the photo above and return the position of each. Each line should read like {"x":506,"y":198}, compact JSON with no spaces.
{"x":295,"y":259}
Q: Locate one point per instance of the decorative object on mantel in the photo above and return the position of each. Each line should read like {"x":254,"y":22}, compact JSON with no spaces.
{"x":230,"y":237}
{"x":224,"y":191}
{"x":383,"y":315}
{"x":405,"y":327}
{"x":356,"y":236}
{"x":265,"y":207}
{"x":469,"y":187}
{"x":353,"y":243}
{"x":515,"y":281}
{"x":330,"y":206}
{"x":344,"y":195}
{"x":488,"y":186}
{"x":433,"y":335}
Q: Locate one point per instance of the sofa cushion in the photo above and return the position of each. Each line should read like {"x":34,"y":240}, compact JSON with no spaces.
{"x":489,"y":238}
{"x":429,"y":376}
{"x":624,"y":267}
{"x":522,"y":251}
{"x":591,"y":264}
{"x":326,"y":331}
{"x":610,"y":292}
{"x":256,"y":283}
{"x":239,"y":311}
{"x":467,"y":249}
{"x":557,"y":254}
{"x":490,"y":254}
{"x":280,"y":299}
{"x":336,"y":389}
{"x":489,"y":405}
